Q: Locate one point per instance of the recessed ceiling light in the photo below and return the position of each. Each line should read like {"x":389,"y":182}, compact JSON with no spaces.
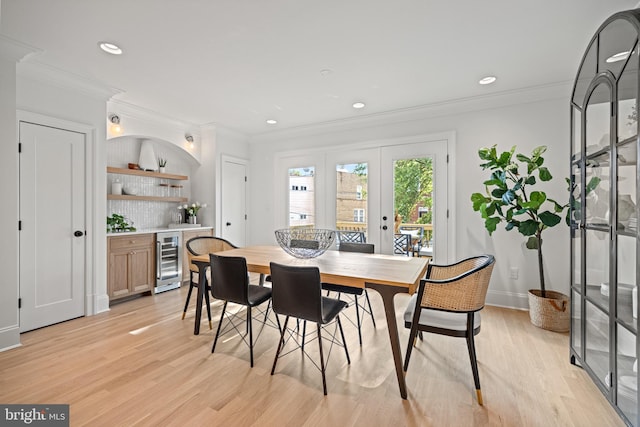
{"x":487,"y":80}
{"x":358,"y":105}
{"x":272,"y":122}
{"x":110,"y":48}
{"x":621,"y":56}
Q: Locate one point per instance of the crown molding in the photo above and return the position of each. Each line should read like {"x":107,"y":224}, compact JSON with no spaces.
{"x":15,"y":50}
{"x":46,"y":73}
{"x":150,"y":116}
{"x":527,"y":95}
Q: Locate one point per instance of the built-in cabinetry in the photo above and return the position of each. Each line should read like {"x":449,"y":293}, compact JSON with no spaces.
{"x":168,"y":182}
{"x":603,"y":216}
{"x":131,"y":264}
{"x":186,"y":235}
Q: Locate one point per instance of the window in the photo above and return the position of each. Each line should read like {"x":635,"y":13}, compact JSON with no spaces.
{"x":359,"y":192}
{"x":358,"y":215}
{"x":301,"y":197}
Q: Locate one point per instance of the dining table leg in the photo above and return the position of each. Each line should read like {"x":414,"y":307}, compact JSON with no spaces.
{"x":202,"y":277}
{"x":388,"y":293}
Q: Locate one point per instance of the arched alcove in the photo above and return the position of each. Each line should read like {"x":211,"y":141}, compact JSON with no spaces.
{"x":149,"y":214}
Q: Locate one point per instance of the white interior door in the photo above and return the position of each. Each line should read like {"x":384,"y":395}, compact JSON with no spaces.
{"x":437,"y":151}
{"x":52,"y":216}
{"x":234,"y":202}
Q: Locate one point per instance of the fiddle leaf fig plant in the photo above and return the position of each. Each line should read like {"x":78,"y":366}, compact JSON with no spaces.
{"x":511,"y":197}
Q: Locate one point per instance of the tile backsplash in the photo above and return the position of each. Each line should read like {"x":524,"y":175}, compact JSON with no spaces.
{"x":146,"y":214}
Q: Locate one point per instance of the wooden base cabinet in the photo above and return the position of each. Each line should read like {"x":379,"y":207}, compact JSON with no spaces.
{"x":186,"y":235}
{"x":131,"y":261}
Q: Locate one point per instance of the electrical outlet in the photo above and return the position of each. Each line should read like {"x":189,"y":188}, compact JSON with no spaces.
{"x":514,"y":272}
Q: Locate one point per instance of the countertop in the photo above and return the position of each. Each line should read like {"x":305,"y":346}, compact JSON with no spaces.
{"x":172,"y":227}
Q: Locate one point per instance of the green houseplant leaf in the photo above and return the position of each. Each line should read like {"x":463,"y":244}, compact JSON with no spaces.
{"x":512,"y":197}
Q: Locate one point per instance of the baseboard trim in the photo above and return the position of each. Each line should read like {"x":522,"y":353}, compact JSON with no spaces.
{"x":102,"y":303}
{"x":10,"y":338}
{"x":506,"y":299}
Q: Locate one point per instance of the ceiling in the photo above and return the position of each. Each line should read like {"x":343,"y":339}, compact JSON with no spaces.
{"x":237,"y":63}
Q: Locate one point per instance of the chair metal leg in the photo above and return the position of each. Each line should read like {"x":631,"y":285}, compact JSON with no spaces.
{"x":215,"y":340}
{"x":250,"y":323}
{"x":355,"y":298}
{"x":373,"y":319}
{"x":324,"y":380}
{"x":472,"y":357}
{"x":344,"y":342}
{"x":280,"y":343}
{"x":304,"y":334}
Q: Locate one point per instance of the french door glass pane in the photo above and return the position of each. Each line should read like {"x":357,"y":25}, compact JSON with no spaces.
{"x":302,"y":202}
{"x":351,"y":197}
{"x":413,"y":203}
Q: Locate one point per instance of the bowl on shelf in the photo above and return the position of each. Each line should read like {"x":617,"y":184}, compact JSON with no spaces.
{"x":130,"y":191}
{"x":305,"y":242}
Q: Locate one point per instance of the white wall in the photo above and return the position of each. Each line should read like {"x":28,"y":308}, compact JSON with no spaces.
{"x":526,"y":119}
{"x":9,"y":335}
{"x":40,"y":92}
{"x":232,"y":144}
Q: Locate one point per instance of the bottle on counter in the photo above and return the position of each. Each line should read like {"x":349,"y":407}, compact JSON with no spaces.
{"x":116,"y":187}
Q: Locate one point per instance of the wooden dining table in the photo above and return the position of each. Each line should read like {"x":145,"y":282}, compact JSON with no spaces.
{"x":386,"y":274}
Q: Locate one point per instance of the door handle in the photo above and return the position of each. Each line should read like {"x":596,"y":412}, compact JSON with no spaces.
{"x":78,"y":233}
{"x":228,"y":224}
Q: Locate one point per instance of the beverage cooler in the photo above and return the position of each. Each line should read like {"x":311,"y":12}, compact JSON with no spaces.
{"x":168,"y":261}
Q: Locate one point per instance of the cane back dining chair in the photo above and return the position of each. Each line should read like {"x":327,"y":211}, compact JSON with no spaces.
{"x":297,"y":292}
{"x":448,"y":302}
{"x":367,"y":248}
{"x":230,"y":283}
{"x":203,"y":245}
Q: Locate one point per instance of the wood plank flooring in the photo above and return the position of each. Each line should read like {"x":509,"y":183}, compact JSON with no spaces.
{"x":141,"y":365}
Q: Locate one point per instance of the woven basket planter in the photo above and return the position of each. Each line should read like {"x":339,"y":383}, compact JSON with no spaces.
{"x":551,"y":312}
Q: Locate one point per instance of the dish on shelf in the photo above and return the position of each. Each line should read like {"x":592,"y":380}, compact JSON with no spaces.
{"x":130,"y":191}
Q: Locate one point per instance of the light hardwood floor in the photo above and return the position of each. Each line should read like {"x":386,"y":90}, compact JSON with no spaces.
{"x":141,"y":365}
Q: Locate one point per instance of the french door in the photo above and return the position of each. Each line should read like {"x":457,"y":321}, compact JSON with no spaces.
{"x":366,"y":186}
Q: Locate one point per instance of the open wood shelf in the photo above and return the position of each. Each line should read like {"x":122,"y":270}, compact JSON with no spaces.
{"x":138,"y":172}
{"x":146,"y":198}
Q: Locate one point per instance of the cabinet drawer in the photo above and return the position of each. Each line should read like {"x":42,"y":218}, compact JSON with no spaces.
{"x":130,"y":242}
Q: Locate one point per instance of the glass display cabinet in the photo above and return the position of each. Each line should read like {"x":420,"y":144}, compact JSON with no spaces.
{"x":603,"y":212}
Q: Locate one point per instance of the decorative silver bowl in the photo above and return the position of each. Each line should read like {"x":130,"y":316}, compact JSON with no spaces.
{"x":305,"y":242}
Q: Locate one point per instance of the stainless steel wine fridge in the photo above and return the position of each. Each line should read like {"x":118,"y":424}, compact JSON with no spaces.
{"x":168,"y":260}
